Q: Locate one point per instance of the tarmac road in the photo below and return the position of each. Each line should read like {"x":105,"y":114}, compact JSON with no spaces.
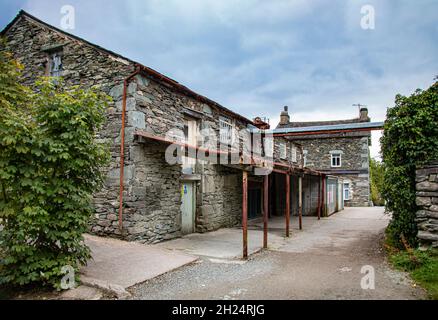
{"x":324,"y":261}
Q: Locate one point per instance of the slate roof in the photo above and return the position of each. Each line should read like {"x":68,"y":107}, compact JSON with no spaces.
{"x":322,"y":123}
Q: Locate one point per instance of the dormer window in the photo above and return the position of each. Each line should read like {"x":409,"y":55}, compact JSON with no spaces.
{"x":225,"y":130}
{"x":55,"y":64}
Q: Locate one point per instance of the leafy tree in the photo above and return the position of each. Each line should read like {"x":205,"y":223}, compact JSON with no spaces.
{"x":410,"y":139}
{"x":49,"y":167}
{"x":377,"y":180}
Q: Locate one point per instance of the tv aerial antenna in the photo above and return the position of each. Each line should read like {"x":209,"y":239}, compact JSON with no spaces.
{"x":360,"y":106}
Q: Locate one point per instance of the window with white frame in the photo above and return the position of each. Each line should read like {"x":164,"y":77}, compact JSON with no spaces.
{"x":268,"y":145}
{"x":55,"y":64}
{"x":347,"y":191}
{"x":294,"y":154}
{"x":336,"y":160}
{"x":225,"y":130}
{"x":283,"y":150}
{"x":305,"y":158}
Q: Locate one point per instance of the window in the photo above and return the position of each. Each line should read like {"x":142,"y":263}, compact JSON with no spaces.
{"x":347,"y":191}
{"x":294,"y":154}
{"x":283,"y":150}
{"x":336,"y":160}
{"x":304,"y":158}
{"x":55,"y":64}
{"x":268,"y":145}
{"x":225,"y":130}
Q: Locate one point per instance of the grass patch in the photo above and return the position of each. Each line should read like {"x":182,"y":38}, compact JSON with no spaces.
{"x":421,"y":265}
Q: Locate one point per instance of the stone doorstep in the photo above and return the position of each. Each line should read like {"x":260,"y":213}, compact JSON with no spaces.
{"x":82,"y":292}
{"x":110,"y":288}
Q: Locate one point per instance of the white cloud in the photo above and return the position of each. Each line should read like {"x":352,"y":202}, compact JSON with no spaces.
{"x":257,"y":56}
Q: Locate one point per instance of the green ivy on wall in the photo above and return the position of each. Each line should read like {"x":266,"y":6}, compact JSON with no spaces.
{"x":410,"y":139}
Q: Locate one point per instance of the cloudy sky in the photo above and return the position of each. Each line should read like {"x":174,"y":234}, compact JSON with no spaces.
{"x":255,"y":56}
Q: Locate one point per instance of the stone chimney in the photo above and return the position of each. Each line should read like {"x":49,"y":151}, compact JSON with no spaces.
{"x":284,"y":116}
{"x":261,"y":124}
{"x":364,"y":115}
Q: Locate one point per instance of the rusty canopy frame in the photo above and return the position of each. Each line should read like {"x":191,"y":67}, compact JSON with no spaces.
{"x":274,"y":167}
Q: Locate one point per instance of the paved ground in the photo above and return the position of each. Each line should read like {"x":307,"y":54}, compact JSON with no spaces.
{"x":323,"y":261}
{"x":220,"y":244}
{"x":119,"y":264}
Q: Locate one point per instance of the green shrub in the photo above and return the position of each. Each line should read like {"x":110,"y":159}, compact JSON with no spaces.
{"x":49,"y":167}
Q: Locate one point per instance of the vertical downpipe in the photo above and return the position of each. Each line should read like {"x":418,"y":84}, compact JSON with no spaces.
{"x":122,"y":146}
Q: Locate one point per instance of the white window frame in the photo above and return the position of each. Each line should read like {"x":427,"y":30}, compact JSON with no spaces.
{"x":294,"y":154}
{"x":268,"y":147}
{"x":226,"y":130}
{"x":348,"y":189}
{"x":55,"y":64}
{"x":335,"y":155}
{"x":282,"y":150}
{"x":305,"y":152}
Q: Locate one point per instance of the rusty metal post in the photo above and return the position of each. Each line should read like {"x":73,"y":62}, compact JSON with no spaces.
{"x":265,"y":211}
{"x":287,"y":213}
{"x":311,"y":194}
{"x":122,"y":145}
{"x":323,"y":196}
{"x":245,"y":214}
{"x":300,"y":201}
{"x":319,"y":197}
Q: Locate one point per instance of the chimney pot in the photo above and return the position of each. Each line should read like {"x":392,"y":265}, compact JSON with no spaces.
{"x":364,"y":114}
{"x":284,"y":116}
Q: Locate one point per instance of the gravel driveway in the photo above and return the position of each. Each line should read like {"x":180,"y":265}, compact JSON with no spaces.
{"x":323,"y":261}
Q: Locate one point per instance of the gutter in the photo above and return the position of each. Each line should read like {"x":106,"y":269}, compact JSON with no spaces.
{"x":301,"y":131}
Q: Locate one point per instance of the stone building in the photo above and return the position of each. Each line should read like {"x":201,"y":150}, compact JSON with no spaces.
{"x":147,"y":197}
{"x":342,"y":153}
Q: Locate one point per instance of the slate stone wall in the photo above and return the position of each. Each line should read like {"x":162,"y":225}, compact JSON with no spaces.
{"x":152,"y":195}
{"x":355,"y":163}
{"x":427,"y":201}
{"x":220,"y":198}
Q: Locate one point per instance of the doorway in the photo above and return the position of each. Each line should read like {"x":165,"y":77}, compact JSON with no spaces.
{"x":187,"y":207}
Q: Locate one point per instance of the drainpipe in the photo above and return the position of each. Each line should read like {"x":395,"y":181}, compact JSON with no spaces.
{"x":122,"y":145}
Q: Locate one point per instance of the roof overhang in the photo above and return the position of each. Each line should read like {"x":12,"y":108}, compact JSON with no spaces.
{"x":330,"y":129}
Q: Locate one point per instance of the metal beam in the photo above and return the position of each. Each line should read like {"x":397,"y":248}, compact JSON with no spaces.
{"x":323,"y":196}
{"x":265,"y":211}
{"x":245,"y":213}
{"x":319,"y":198}
{"x":300,"y":201}
{"x":287,"y":213}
